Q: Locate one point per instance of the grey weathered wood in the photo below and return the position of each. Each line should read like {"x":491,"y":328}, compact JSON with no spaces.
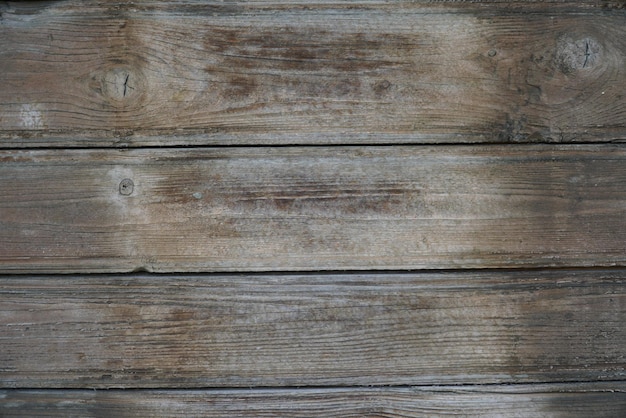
{"x":77,"y":73}
{"x":303,"y":208}
{"x":541,"y":401}
{"x":151,"y":73}
{"x":146,"y":331}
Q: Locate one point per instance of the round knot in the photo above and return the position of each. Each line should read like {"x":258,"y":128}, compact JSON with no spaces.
{"x":126,"y":187}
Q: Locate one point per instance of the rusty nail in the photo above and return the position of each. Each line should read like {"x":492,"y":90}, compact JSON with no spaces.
{"x":126,"y":187}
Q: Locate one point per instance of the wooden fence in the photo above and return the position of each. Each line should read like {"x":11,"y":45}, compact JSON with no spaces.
{"x":313,"y":208}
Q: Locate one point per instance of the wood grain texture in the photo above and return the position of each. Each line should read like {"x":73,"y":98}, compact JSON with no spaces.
{"x":95,"y":73}
{"x":521,"y":304}
{"x":540,"y":401}
{"x":146,"y":331}
{"x":312,"y":208}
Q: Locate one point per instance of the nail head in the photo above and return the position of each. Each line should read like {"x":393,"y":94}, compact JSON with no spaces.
{"x":126,"y":187}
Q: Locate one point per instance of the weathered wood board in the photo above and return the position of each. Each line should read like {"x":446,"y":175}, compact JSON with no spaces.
{"x":77,"y":73}
{"x":146,"y":331}
{"x":530,"y":401}
{"x":312,"y":208}
{"x":415,"y":195}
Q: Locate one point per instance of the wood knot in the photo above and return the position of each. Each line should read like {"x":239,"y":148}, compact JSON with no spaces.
{"x":577,"y":54}
{"x":382,"y":86}
{"x":121,"y":85}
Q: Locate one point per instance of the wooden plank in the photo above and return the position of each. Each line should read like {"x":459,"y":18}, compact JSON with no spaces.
{"x":146,"y":331}
{"x":312,"y":208}
{"x":541,"y":401}
{"x":77,"y":73}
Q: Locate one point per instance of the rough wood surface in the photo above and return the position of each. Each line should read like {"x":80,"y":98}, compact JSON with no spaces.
{"x":540,"y":401}
{"x":300,"y":330}
{"x":312,"y":208}
{"x":153,"y":73}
